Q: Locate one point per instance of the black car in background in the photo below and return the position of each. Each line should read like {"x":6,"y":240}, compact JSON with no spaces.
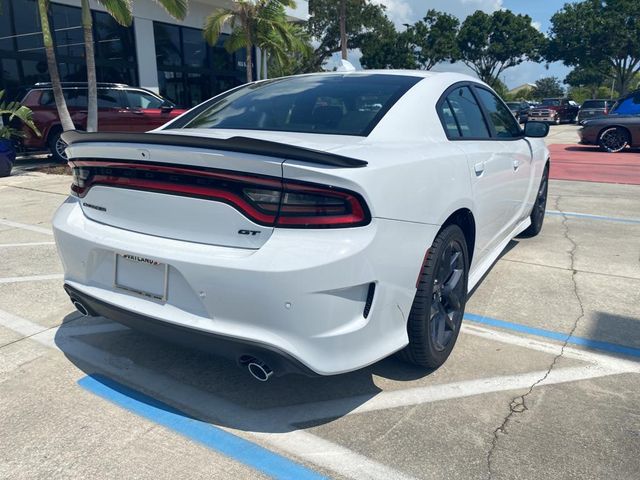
{"x":594,"y":108}
{"x":617,"y":130}
{"x":520,"y":110}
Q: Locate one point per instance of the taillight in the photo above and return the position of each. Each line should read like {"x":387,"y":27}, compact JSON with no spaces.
{"x":265,"y":200}
{"x":305,"y":205}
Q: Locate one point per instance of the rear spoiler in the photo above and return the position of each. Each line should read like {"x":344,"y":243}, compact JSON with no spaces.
{"x":234,"y":144}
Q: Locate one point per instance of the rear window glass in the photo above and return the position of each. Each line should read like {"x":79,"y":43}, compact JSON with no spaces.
{"x":551,"y":102}
{"x":594,"y":104}
{"x":329,"y":104}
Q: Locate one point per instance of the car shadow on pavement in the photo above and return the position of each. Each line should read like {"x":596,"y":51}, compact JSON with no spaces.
{"x":138,"y":361}
{"x":617,"y":332}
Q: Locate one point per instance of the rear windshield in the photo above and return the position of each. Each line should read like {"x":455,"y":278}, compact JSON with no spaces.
{"x":594,"y":104}
{"x":513,"y":104}
{"x":331,"y":104}
{"x":550,"y":102}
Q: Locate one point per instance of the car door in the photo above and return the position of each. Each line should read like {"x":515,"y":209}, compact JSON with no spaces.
{"x":147,"y":109}
{"x":516,"y":151}
{"x":490,"y":169}
{"x":110,"y":110}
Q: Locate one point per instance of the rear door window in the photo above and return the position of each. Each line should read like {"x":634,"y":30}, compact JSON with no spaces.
{"x":466,"y":112}
{"x":109,"y":98}
{"x":628,"y":106}
{"x":503,"y":121}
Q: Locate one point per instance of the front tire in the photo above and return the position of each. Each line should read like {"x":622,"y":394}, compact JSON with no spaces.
{"x":539,"y":207}
{"x":438,"y":307}
{"x":613,"y":139}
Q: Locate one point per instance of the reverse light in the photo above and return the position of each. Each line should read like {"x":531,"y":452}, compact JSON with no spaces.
{"x":265,"y":200}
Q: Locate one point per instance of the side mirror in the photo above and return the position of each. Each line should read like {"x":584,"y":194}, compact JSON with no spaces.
{"x":167,"y":107}
{"x":536,"y":130}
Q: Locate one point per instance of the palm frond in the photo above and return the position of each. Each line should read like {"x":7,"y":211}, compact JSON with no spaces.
{"x":237,"y":40}
{"x":120,"y":10}
{"x":215,"y":22}
{"x":175,"y":8}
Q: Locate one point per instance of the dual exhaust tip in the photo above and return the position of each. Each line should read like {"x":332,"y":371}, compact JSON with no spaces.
{"x":257,"y":368}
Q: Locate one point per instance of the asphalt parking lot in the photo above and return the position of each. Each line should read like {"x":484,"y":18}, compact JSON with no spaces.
{"x":543,"y":383}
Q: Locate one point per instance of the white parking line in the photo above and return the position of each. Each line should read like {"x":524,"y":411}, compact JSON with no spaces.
{"x":260,"y":424}
{"x":26,"y":244}
{"x":248,"y":423}
{"x":32,"y":278}
{"x":25,"y":226}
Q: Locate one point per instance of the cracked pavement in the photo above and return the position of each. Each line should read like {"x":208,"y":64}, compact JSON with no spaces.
{"x":508,"y":404}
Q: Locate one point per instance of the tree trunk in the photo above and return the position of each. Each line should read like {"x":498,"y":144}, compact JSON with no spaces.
{"x":343,"y":28}
{"x":92,"y":87}
{"x":249,"y":62}
{"x":61,"y":104}
{"x":264,"y":64}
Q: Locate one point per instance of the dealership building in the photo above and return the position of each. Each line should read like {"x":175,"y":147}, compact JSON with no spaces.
{"x":157,"y":52}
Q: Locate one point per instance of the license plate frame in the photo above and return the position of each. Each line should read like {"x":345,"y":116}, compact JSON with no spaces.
{"x":142,"y":268}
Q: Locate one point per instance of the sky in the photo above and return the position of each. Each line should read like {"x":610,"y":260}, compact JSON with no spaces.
{"x":541,"y":11}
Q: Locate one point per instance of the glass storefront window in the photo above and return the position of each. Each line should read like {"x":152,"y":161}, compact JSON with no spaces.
{"x":189,"y":69}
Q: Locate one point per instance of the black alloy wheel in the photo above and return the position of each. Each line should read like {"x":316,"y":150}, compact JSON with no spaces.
{"x":437,"y":310}
{"x":613,"y":139}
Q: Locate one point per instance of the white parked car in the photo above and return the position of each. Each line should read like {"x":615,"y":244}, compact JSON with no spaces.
{"x":314,"y":224}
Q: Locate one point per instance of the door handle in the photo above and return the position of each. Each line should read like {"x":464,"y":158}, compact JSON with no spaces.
{"x":479,"y":168}
{"x":516,"y":164}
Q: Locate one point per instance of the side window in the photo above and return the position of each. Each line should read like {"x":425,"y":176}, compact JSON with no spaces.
{"x":466,"y":113}
{"x":108,"y":98}
{"x":138,"y":100}
{"x":628,"y":106}
{"x":503,"y":121}
{"x":76,"y":97}
{"x":449,"y":120}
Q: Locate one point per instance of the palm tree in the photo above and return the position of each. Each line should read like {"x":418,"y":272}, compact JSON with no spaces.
{"x":282,"y":50}
{"x":247,"y":18}
{"x":121,"y":11}
{"x":54,"y":74}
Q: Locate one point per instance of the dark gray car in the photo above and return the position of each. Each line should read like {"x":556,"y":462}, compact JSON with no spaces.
{"x":594,"y":108}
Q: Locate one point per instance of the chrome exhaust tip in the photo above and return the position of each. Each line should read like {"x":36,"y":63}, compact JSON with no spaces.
{"x":259,"y":371}
{"x":81,"y":308}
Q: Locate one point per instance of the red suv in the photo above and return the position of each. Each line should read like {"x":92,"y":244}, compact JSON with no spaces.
{"x":121,"y":108}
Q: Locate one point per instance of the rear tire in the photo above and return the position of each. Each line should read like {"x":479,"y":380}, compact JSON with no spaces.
{"x":613,"y":139}
{"x":539,"y":207}
{"x":438,"y":307}
{"x":57,"y":146}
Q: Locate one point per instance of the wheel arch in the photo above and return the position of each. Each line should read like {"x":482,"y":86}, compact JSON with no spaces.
{"x":53,"y":129}
{"x":463,"y":218}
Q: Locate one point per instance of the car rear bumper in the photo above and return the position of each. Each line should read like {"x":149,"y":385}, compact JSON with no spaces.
{"x":303,"y":294}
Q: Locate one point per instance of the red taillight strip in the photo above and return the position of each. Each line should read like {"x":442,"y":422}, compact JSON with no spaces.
{"x":292,"y":216}
{"x":215,"y":174}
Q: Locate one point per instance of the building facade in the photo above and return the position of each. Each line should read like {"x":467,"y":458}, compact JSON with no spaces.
{"x":156,"y":52}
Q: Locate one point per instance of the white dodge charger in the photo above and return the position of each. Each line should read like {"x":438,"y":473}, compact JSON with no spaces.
{"x":313,"y":224}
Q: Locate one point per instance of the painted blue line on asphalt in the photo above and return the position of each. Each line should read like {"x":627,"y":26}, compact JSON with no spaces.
{"x":588,"y":216}
{"x":248,"y":453}
{"x":540,"y":332}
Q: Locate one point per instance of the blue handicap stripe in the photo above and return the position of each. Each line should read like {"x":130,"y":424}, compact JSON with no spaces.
{"x":589,"y":216}
{"x":540,"y":332}
{"x":244,"y":451}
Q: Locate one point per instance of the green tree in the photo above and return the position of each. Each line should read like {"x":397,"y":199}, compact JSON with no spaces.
{"x":247,"y":18}
{"x":52,"y":64}
{"x":361,"y":18}
{"x":490,"y":44}
{"x":283,"y":53}
{"x":599,"y":34}
{"x":548,"y":87}
{"x":387,"y":48}
{"x":121,"y":11}
{"x":589,"y":79}
{"x":434,"y":39}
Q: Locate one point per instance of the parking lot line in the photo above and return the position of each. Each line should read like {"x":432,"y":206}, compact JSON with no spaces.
{"x":237,"y":448}
{"x":589,"y":216}
{"x":25,"y":226}
{"x":26,"y":244}
{"x":32,"y":278}
{"x":560,"y":336}
{"x":254,"y":424}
